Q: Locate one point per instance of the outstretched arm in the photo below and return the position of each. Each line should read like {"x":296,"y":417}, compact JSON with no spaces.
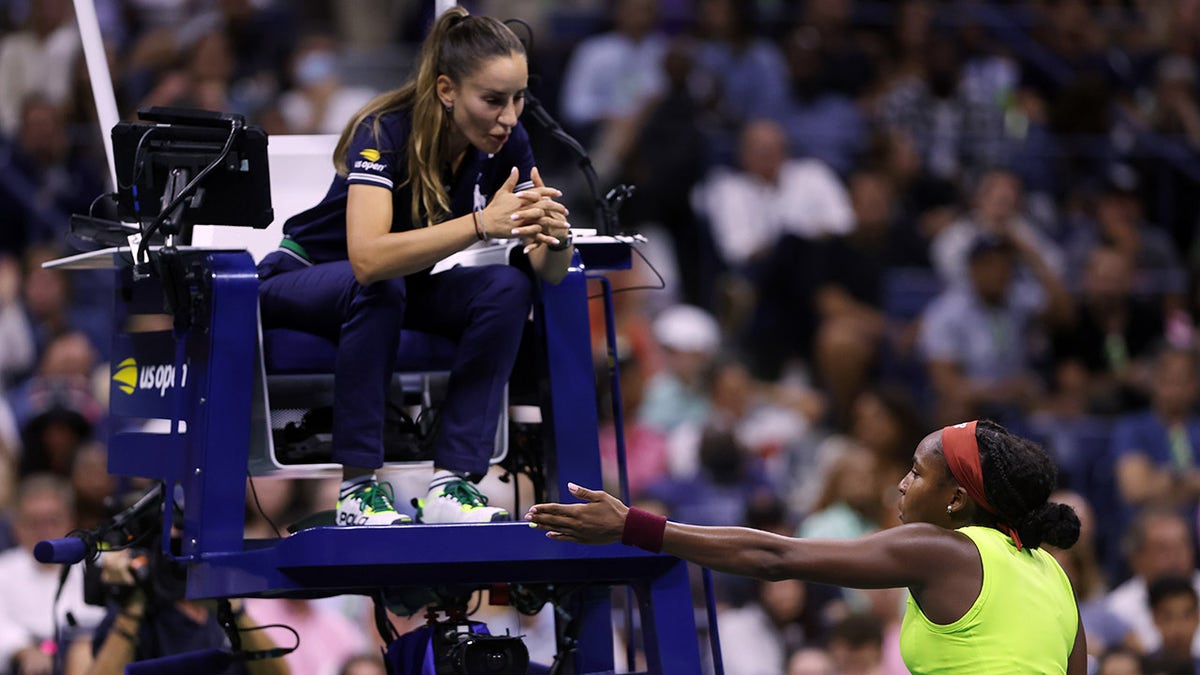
{"x":910,"y":556}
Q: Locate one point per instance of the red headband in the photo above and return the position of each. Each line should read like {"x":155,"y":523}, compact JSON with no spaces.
{"x":962,"y":456}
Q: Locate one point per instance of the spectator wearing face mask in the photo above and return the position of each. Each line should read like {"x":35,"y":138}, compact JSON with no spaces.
{"x":319,"y":102}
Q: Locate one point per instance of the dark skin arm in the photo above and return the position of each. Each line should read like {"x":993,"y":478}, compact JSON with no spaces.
{"x":927,"y":559}
{"x":1077,"y":662}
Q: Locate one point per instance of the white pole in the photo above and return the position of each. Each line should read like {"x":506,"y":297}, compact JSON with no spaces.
{"x":102,"y":87}
{"x":441,"y":6}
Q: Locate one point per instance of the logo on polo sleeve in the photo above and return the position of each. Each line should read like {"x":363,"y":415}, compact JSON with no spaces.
{"x":369,"y":161}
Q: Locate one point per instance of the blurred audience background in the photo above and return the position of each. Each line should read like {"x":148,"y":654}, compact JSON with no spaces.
{"x":871,"y":218}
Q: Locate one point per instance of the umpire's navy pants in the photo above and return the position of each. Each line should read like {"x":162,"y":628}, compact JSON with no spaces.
{"x":483,"y":308}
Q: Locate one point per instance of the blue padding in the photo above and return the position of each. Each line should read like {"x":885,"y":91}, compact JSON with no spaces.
{"x":291,"y":352}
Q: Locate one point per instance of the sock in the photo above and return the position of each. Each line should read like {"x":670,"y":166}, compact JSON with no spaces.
{"x":350,"y":486}
{"x":441,"y":478}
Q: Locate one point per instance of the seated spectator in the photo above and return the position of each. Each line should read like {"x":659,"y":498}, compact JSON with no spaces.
{"x":203,"y":80}
{"x":688,"y":338}
{"x":728,"y":479}
{"x":810,"y":661}
{"x":821,"y":300}
{"x":55,"y":303}
{"x":757,"y":636}
{"x":1159,"y":544}
{"x":887,"y":422}
{"x":40,"y":60}
{"x":743,"y":75}
{"x":856,"y":645}
{"x":56,"y":409}
{"x":318,"y":102}
{"x":668,"y":159}
{"x":851,"y":501}
{"x":1157,"y":450}
{"x":821,"y":122}
{"x":927,"y":204}
{"x":1119,"y":222}
{"x":43,"y":180}
{"x":975,"y":340}
{"x":765,"y":416}
{"x":768,"y":221}
{"x":1176,"y":611}
{"x":1107,"y":350}
{"x":610,"y":80}
{"x":28,"y":617}
{"x":1119,"y":661}
{"x":769,"y":196}
{"x":996,"y":212}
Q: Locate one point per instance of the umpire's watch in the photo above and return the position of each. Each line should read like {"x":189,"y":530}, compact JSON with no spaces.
{"x":563,"y":244}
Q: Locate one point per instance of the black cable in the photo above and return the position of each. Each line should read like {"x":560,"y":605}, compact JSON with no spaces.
{"x":235,"y":126}
{"x":254,"y":492}
{"x":284,"y":651}
{"x":92,"y":207}
{"x":662,"y":283}
{"x":137,"y":163}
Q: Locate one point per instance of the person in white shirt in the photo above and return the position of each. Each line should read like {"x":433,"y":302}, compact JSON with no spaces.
{"x":44,"y":510}
{"x":1158,"y":544}
{"x":771,"y":195}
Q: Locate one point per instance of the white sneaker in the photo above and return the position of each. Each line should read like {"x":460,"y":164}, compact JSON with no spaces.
{"x":370,"y":504}
{"x":458,"y":501}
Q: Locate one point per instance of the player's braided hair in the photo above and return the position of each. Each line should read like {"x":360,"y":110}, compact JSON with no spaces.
{"x":1018,"y":477}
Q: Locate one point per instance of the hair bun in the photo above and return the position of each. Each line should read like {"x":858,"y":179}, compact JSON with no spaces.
{"x":1051,"y":523}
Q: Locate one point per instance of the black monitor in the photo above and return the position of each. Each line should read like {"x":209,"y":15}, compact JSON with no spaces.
{"x":162,"y":153}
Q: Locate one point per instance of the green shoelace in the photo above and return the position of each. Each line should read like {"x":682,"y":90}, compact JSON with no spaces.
{"x":377,"y":498}
{"x":466,"y":493}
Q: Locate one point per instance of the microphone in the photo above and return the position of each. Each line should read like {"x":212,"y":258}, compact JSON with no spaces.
{"x":80,"y":544}
{"x":606,"y":208}
{"x":64,"y":551}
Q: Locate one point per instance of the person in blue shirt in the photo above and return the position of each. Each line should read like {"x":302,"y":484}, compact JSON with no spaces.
{"x":424,"y":171}
{"x":1157,"y":450}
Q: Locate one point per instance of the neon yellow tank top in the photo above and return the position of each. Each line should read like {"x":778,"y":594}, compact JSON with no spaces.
{"x":1023,"y":621}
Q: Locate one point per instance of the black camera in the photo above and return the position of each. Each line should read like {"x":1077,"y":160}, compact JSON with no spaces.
{"x":459,"y":650}
{"x":137,"y":528}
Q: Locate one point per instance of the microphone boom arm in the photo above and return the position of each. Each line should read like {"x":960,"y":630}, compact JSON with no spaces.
{"x":606,"y":205}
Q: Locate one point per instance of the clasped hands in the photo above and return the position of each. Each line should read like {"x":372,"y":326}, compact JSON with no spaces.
{"x":531,"y":215}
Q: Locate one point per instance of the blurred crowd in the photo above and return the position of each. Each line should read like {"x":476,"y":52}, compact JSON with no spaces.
{"x":868,"y":220}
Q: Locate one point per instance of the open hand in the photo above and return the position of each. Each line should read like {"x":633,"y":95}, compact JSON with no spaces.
{"x":598,"y":520}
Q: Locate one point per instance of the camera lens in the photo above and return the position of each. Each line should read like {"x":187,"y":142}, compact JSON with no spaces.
{"x":495,"y":661}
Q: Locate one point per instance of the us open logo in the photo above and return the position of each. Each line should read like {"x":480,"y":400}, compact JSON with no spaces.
{"x":130,"y":377}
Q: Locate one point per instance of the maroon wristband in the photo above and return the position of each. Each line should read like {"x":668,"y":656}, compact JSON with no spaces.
{"x":644,"y":530}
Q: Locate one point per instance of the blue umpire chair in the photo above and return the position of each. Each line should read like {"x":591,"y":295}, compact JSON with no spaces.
{"x":192,"y":407}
